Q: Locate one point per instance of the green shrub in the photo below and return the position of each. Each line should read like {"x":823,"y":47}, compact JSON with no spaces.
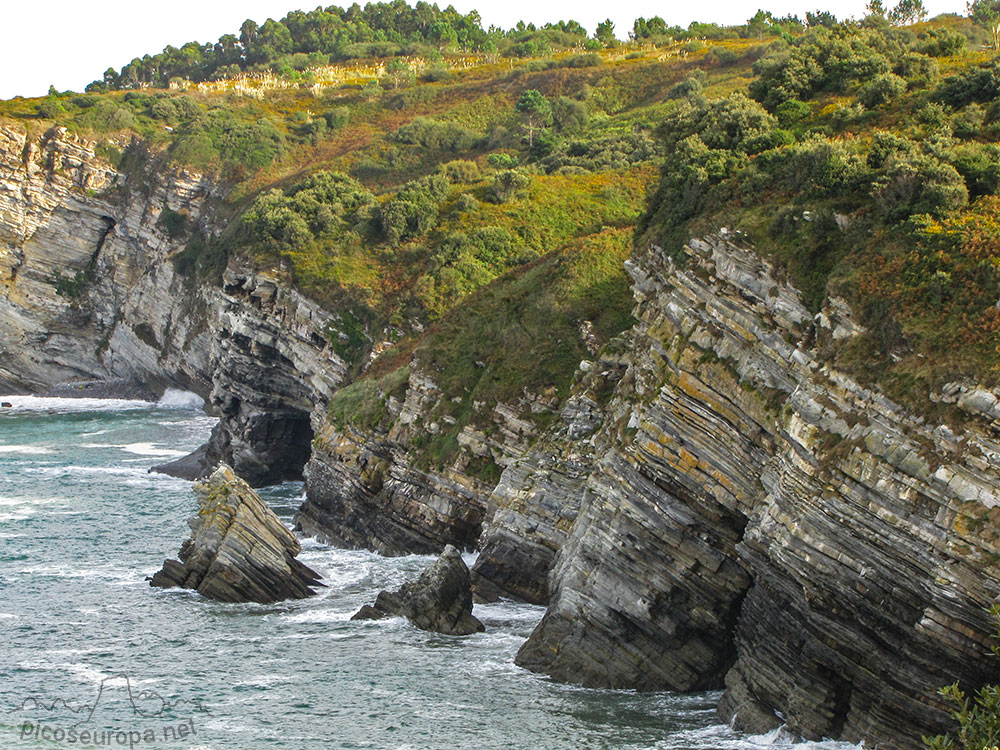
{"x":413,"y":211}
{"x":909,"y":184}
{"x":50,"y":109}
{"x":337,"y":117}
{"x":725,"y":57}
{"x":460,"y":171}
{"x":881,"y":90}
{"x":844,"y":116}
{"x":689,"y":87}
{"x":613,"y":151}
{"x":466,"y":202}
{"x":464,"y":262}
{"x":569,"y":115}
{"x":502,"y":160}
{"x":108,"y":116}
{"x":509,"y":184}
{"x":968,"y":122}
{"x":979,"y":165}
{"x":736,"y":123}
{"x":325,"y":206}
{"x":981,"y":84}
{"x":823,"y":60}
{"x":918,"y":70}
{"x":439,"y":136}
{"x":218,"y":138}
{"x":941,"y":42}
{"x":590,"y":60}
{"x":792,"y":111}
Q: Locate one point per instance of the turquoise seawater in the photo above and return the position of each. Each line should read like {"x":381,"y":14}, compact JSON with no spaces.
{"x":91,"y":656}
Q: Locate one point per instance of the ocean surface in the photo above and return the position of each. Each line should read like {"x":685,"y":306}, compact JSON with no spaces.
{"x":91,"y":656}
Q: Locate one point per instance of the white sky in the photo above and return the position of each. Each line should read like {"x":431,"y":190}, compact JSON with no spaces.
{"x":69,"y":43}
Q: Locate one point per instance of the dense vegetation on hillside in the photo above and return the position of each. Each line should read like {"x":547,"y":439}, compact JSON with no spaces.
{"x":435,"y":185}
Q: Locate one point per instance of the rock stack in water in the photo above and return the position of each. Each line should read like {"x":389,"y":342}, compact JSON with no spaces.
{"x":439,"y":601}
{"x":238,"y":551}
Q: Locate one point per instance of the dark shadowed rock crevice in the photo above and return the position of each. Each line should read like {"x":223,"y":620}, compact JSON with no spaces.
{"x":239,"y":551}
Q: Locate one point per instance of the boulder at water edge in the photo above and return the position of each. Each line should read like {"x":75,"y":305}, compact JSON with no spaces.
{"x":239,"y":551}
{"x":439,"y":601}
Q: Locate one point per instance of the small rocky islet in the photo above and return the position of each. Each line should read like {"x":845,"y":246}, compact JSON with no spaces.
{"x":744,"y":460}
{"x":239,"y":551}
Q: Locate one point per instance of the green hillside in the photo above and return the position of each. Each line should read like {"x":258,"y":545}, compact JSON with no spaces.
{"x":470,"y":195}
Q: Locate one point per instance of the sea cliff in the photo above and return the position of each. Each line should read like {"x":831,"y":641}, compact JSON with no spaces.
{"x":713,"y":504}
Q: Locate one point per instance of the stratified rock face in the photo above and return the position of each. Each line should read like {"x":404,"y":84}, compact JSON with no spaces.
{"x":439,"y":601}
{"x":239,"y":551}
{"x":273,"y":364}
{"x":89,"y":291}
{"x":756,"y":517}
{"x":532,"y":509}
{"x":366,"y":494}
{"x":365,"y":487}
{"x":86,"y":288}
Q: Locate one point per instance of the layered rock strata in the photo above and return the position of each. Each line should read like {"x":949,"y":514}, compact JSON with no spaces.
{"x":239,"y":551}
{"x":533,"y":507}
{"x":90,"y":291}
{"x":439,"y":601}
{"x":368,"y":488}
{"x":760,"y":520}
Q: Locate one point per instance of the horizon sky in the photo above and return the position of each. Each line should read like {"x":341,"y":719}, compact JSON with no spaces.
{"x":82,"y":40}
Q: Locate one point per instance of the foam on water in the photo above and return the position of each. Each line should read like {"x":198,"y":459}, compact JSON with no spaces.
{"x":26,"y":450}
{"x":139,"y":449}
{"x":67,"y":405}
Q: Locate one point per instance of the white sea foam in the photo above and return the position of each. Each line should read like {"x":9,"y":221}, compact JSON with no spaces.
{"x":66,"y":405}
{"x":20,"y":508}
{"x":139,"y":449}
{"x":721,"y":737}
{"x":85,"y":672}
{"x":113,"y":574}
{"x":150,"y":449}
{"x":26,"y":450}
{"x":176,"y":398}
{"x":313,"y":616}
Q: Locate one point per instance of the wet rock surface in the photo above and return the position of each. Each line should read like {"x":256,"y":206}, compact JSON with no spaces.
{"x":439,"y":601}
{"x":196,"y":465}
{"x":239,"y":551}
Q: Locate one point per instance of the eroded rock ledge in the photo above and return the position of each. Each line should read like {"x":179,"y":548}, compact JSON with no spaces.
{"x":239,"y":551}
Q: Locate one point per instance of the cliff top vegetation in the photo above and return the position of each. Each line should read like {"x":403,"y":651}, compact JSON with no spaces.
{"x":469,"y":195}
